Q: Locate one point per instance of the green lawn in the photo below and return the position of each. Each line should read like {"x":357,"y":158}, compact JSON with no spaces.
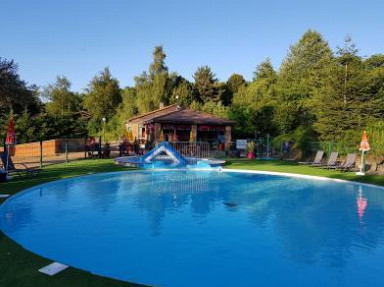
{"x":18,"y":267}
{"x":291,"y":167}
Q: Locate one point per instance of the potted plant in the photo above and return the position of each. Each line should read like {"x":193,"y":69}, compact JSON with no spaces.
{"x":250,"y":149}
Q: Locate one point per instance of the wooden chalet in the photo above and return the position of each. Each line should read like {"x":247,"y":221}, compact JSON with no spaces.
{"x":175,"y":123}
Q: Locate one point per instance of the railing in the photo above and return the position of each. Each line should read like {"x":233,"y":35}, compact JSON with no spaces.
{"x":192,"y":149}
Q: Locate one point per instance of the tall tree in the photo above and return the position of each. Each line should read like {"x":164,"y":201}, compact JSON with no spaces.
{"x":305,"y":69}
{"x":103,"y":96}
{"x":182,"y":93}
{"x":13,"y":91}
{"x":265,"y":71}
{"x":234,"y":83}
{"x":158,"y":65}
{"x":60,"y":98}
{"x":156,"y":87}
{"x":205,"y":84}
{"x":352,"y":97}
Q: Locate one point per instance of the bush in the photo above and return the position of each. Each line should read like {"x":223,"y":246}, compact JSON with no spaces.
{"x":301,"y":139}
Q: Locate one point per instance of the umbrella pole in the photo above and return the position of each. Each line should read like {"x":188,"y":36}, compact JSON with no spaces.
{"x":362,"y":164}
{"x":6,"y":166}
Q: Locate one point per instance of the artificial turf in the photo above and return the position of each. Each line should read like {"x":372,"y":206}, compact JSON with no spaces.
{"x":18,"y":267}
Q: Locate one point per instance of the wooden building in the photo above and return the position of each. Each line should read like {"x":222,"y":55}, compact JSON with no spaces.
{"x":175,"y":123}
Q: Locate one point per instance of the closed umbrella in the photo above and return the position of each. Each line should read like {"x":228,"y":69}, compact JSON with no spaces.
{"x":11,"y":138}
{"x":364,"y":146}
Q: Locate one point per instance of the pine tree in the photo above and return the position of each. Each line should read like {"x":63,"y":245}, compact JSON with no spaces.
{"x":158,"y":66}
{"x":205,"y":84}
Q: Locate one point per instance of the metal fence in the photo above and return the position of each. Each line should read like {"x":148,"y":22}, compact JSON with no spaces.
{"x":39,"y":154}
{"x":53,"y":151}
{"x":192,"y":149}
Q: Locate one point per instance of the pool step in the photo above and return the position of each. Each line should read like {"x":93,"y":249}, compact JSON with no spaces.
{"x":53,"y":268}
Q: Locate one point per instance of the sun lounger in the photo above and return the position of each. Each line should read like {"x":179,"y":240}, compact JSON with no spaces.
{"x":317,"y":160}
{"x":349,"y":163}
{"x":11,"y":166}
{"x":332,"y":161}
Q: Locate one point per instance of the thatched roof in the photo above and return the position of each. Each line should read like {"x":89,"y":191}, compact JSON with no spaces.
{"x":179,"y":115}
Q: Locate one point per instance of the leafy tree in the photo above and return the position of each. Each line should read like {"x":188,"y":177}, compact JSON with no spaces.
{"x":13,"y":91}
{"x":265,"y":71}
{"x":216,"y":108}
{"x":103,"y":96}
{"x":223,"y":95}
{"x":352,"y":97}
{"x":155,"y":88}
{"x":183,"y":94}
{"x":205,"y":84}
{"x":61,"y":100}
{"x":375,"y":61}
{"x":305,"y":69}
{"x":234,"y":83}
{"x":305,"y":66}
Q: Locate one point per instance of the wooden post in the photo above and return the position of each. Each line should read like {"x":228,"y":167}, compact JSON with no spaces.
{"x":194,"y":133}
{"x":66,"y":150}
{"x":228,"y":137}
{"x":41,"y":154}
{"x":157,"y":132}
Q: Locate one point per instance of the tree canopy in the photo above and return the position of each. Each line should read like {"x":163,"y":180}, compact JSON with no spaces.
{"x":316,"y":94}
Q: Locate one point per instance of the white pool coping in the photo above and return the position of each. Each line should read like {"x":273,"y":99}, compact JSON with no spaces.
{"x":321,"y":178}
{"x":53,"y":268}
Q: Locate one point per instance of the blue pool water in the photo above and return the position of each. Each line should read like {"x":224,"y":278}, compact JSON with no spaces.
{"x":202,"y":228}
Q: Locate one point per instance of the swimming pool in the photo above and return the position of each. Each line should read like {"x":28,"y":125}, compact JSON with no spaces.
{"x":205,"y":228}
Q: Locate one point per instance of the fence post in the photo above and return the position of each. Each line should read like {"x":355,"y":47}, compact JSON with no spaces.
{"x":66,"y":150}
{"x":85,"y":147}
{"x":41,"y":154}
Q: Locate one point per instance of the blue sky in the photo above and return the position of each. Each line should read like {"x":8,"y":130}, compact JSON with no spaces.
{"x":78,"y":38}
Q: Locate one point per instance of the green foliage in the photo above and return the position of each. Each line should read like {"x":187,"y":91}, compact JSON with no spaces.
{"x":305,"y":69}
{"x":103,"y":96}
{"x":157,"y":87}
{"x":61,"y":100}
{"x":265,"y":71}
{"x":216,"y":108}
{"x":234,"y":83}
{"x":158,"y":66}
{"x":375,"y":132}
{"x":317,"y":99}
{"x":205,"y":84}
{"x":46,"y":126}
{"x":301,"y":137}
{"x":14,"y":94}
{"x":184,"y":93}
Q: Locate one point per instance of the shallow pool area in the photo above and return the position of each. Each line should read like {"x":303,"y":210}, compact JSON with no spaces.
{"x":205,"y":228}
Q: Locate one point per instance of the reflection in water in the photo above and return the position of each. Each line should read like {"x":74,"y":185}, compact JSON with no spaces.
{"x":362,"y":203}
